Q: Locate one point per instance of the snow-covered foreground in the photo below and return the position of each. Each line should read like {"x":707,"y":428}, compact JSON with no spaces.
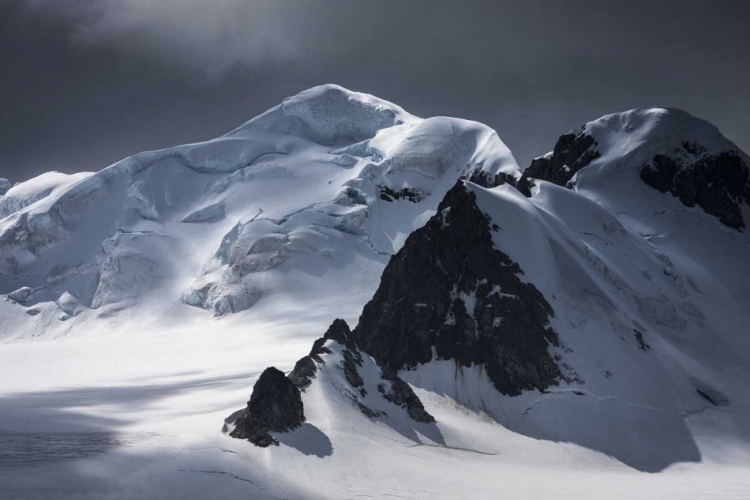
{"x":153,"y":403}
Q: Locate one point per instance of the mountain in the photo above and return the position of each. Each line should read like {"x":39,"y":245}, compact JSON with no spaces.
{"x":298,"y":201}
{"x":599,"y":309}
{"x":673,"y":151}
{"x":575,"y":329}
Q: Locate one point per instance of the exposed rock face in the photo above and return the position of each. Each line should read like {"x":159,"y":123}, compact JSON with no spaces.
{"x":401,"y":394}
{"x":303,"y":373}
{"x":450,"y":291}
{"x":717,"y":183}
{"x":341,"y":333}
{"x":275,"y":405}
{"x":483,"y":178}
{"x":572,"y":152}
{"x":487,"y":180}
{"x":410,"y":194}
{"x":351,"y":361}
{"x":305,"y":369}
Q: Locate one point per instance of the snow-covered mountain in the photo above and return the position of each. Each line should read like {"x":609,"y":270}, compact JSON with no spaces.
{"x":316,"y":192}
{"x":558,"y":331}
{"x":608,"y":314}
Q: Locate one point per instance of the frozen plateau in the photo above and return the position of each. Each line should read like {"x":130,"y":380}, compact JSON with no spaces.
{"x":341,"y":300}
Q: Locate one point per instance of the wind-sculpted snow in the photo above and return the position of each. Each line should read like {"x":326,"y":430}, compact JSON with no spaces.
{"x":205,"y":214}
{"x":330,"y":114}
{"x":33,"y":190}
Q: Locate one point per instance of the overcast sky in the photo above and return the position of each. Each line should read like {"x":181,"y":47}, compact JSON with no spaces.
{"x":84,"y":83}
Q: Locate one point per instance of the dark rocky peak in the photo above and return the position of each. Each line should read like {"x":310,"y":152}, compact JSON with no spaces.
{"x":275,"y":406}
{"x":399,"y":393}
{"x":718,"y":183}
{"x":276,"y":402}
{"x":572,"y":152}
{"x":449,"y":291}
{"x":341,"y":333}
{"x":305,"y":369}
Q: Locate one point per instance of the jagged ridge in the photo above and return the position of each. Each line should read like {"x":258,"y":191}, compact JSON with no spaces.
{"x":448,"y":292}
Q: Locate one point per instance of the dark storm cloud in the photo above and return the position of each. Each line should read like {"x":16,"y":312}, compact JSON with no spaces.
{"x":87,"y":82}
{"x":207,"y":37}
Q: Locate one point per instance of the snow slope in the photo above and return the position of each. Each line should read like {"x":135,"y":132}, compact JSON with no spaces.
{"x":163,"y":285}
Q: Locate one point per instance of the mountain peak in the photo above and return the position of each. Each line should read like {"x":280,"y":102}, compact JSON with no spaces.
{"x":326,"y":178}
{"x":657,"y":128}
{"x":331,"y":114}
{"x":669,"y":149}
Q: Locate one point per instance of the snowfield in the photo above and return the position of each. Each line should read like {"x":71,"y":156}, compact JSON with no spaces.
{"x":142,"y":302}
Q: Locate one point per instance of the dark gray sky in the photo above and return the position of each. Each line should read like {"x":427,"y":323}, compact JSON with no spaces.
{"x":84,"y":83}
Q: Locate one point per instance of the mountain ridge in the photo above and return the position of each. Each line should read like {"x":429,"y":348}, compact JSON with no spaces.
{"x":610,"y":306}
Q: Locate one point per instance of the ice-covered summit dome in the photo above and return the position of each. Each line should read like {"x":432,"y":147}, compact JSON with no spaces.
{"x":330,"y":114}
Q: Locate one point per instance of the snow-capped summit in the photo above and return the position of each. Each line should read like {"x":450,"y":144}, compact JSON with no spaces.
{"x":287,"y":205}
{"x":669,"y":149}
{"x":330,"y":114}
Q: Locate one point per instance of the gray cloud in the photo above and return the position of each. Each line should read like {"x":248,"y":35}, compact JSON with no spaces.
{"x":208,"y":37}
{"x":87,"y":82}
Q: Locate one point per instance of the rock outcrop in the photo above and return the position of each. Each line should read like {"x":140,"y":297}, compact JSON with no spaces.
{"x":305,"y":369}
{"x":572,"y":152}
{"x":275,"y":406}
{"x":401,"y":394}
{"x":718,"y":183}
